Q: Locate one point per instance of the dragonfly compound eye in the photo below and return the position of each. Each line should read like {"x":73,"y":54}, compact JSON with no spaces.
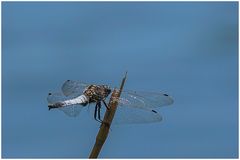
{"x":107,"y":89}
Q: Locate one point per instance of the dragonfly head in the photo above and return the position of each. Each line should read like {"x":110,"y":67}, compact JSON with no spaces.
{"x":107,"y":89}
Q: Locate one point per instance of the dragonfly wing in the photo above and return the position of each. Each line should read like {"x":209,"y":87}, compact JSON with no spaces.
{"x":138,"y":107}
{"x":144,"y":99}
{"x":73,"y":88}
{"x":130,"y":115}
{"x":71,"y":110}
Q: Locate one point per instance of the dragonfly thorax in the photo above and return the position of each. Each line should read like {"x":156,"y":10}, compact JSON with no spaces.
{"x":96,"y":93}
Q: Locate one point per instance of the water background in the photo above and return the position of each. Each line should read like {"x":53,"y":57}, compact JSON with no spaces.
{"x":189,"y":50}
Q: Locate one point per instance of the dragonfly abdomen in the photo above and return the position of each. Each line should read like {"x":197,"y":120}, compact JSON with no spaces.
{"x":78,"y":100}
{"x":83,"y":100}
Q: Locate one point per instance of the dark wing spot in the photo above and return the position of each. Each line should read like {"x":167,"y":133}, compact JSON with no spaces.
{"x":154,"y":111}
{"x":68,"y":80}
{"x":49,"y":94}
{"x":165,"y":94}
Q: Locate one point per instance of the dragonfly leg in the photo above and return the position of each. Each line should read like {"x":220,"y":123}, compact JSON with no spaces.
{"x":99,"y":111}
{"x":96,"y":111}
{"x":105,"y":104}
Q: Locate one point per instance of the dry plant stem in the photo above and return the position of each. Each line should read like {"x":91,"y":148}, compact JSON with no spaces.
{"x":107,"y":120}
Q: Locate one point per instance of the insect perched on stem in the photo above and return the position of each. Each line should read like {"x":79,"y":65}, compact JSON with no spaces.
{"x":133,"y":107}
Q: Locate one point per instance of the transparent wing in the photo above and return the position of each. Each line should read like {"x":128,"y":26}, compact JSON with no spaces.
{"x":135,"y":99}
{"x":139,"y":107}
{"x":73,"y":88}
{"x":142,"y":100}
{"x":130,"y":115}
{"x":71,"y":110}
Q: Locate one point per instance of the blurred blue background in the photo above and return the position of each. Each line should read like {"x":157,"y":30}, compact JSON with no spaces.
{"x":189,"y":50}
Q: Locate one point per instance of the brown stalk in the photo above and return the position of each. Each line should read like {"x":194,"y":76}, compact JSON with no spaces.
{"x":107,"y":120}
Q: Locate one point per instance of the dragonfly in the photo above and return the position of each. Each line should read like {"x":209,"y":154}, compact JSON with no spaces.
{"x":133,"y":106}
